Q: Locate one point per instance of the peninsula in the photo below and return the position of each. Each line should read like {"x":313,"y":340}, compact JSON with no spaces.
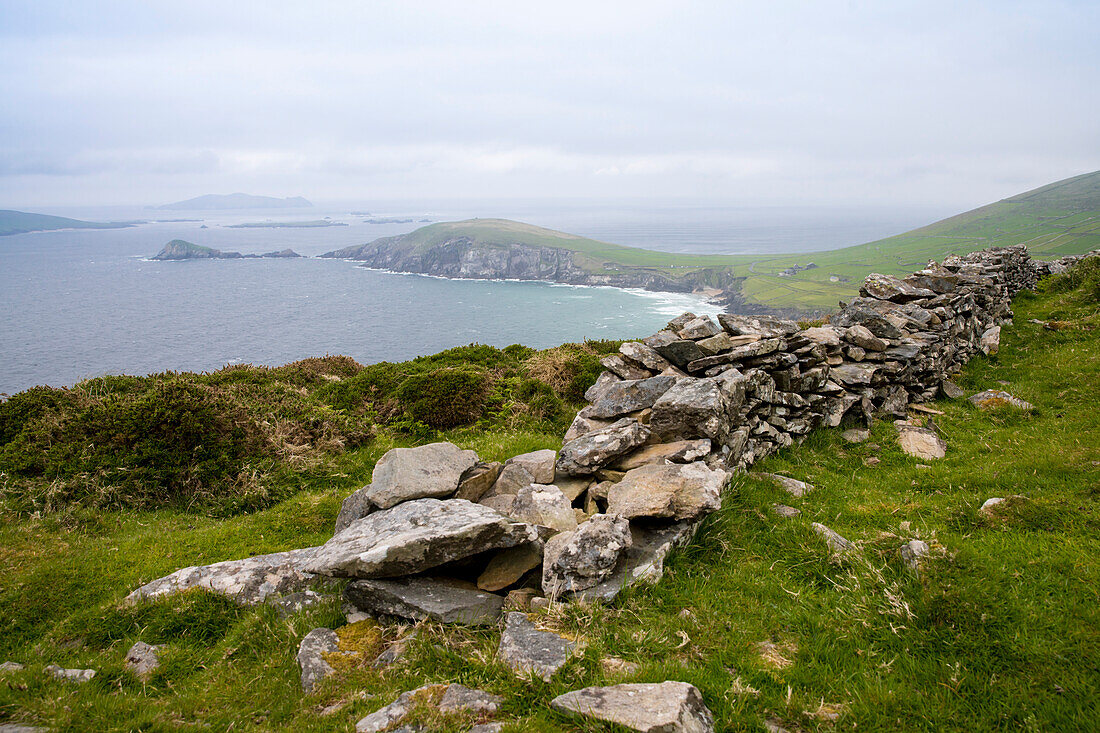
{"x":180,"y":249}
{"x":216,"y":202}
{"x":23,"y":222}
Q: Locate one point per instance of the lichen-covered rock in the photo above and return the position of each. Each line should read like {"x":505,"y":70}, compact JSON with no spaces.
{"x":539,"y":465}
{"x":792,"y":486}
{"x":763,"y":326}
{"x":529,"y":651}
{"x":629,"y":396}
{"x":692,"y":408}
{"x":666,"y":707}
{"x":920,"y":442}
{"x":142,"y":659}
{"x":588,"y":453}
{"x":355,"y":506}
{"x":583,"y":558}
{"x":644,"y":560}
{"x":427,"y":471}
{"x":423,"y":597}
{"x":670,"y":491}
{"x":544,"y":505}
{"x":415,"y":536}
{"x":824,"y":335}
{"x":311,"y":656}
{"x":699,"y":328}
{"x":862,"y":337}
{"x":991,"y":398}
{"x":600,"y":386}
{"x":888,"y":287}
{"x":838,"y":546}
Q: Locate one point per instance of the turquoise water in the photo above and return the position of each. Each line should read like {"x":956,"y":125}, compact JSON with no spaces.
{"x":77,"y":304}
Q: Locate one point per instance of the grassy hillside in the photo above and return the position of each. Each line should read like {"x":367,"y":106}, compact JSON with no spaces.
{"x":20,"y":222}
{"x":1001,"y":630}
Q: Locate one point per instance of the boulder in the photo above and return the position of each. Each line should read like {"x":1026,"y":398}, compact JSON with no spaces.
{"x":794,"y":487}
{"x":528,"y":651}
{"x":311,"y":659}
{"x":600,"y":386}
{"x":920,"y":442}
{"x":583,"y":425}
{"x":644,"y":355}
{"x":509,"y":566}
{"x":427,"y":471}
{"x":248,"y":582}
{"x":538,"y":464}
{"x":142,"y":659}
{"x":699,"y":328}
{"x":583,"y":558}
{"x":414,"y":537}
{"x":679,"y":451}
{"x":446,"y":600}
{"x":862,"y":337}
{"x":888,"y":287}
{"x":586,"y":454}
{"x":356,"y":506}
{"x":544,"y":505}
{"x":477,"y":480}
{"x":670,"y":491}
{"x":692,"y":408}
{"x":763,"y":326}
{"x":629,"y":396}
{"x":623,"y":368}
{"x":991,"y":398}
{"x":665,"y":707}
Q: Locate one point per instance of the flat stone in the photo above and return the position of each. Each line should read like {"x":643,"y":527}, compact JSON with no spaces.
{"x":585,"y":557}
{"x":477,"y":480}
{"x":679,"y":451}
{"x":680,"y":351}
{"x":583,"y":425}
{"x":355,"y":506}
{"x":416,"y":536}
{"x":247,"y":582}
{"x":629,"y":396}
{"x":544,"y":505}
{"x":142,"y":659}
{"x":748,"y":351}
{"x":427,"y":471}
{"x":585,"y":455}
{"x":950,"y":390}
{"x":644,"y":355}
{"x":763,"y":326}
{"x":888,"y":287}
{"x":838,"y":546}
{"x":858,"y":374}
{"x":539,"y":464}
{"x":871,"y":319}
{"x":18,"y":728}
{"x":794,"y":487}
{"x":862,"y":337}
{"x":856,"y":435}
{"x":509,"y":566}
{"x":785,"y":511}
{"x":920,"y":442}
{"x":623,"y":368}
{"x":699,"y":328}
{"x":991,"y":398}
{"x":528,"y":651}
{"x":460,"y":698}
{"x":69,"y":675}
{"x":572,"y":487}
{"x":311,"y":658}
{"x":824,"y":335}
{"x":387,"y":717}
{"x":670,"y":491}
{"x":666,"y":707}
{"x":600,"y":386}
{"x":422,"y":597}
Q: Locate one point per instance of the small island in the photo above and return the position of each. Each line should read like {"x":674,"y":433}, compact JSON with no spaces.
{"x":217,"y":202}
{"x":180,"y":249}
{"x":287,"y":224}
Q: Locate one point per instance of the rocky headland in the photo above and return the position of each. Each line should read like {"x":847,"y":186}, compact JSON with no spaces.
{"x":180,"y":249}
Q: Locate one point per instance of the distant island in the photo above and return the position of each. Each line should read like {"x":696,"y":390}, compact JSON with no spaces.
{"x":22,"y":222}
{"x":391,"y":220}
{"x":213,"y":202}
{"x":180,"y":249}
{"x":287,"y":224}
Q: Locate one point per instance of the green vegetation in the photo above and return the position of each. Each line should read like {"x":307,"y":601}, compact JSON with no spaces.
{"x":1001,"y":630}
{"x":21,"y":222}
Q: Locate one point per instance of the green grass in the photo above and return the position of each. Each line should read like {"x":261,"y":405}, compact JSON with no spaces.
{"x":20,"y":222}
{"x":1000,"y":631}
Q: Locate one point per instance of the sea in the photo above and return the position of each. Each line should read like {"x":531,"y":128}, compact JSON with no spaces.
{"x":76,"y":304}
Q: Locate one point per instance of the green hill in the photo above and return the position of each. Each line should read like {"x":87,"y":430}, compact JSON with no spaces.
{"x":21,"y":222}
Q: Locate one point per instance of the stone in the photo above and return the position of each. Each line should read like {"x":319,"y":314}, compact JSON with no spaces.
{"x":513,"y":477}
{"x":600,"y":386}
{"x":785,"y":511}
{"x":990,"y":341}
{"x":385,"y":718}
{"x":247,"y":582}
{"x":423,"y":597}
{"x":477,"y":480}
{"x":583,"y":425}
{"x":991,"y":506}
{"x":642,"y":354}
{"x":912,"y":552}
{"x":644,"y":560}
{"x":586,"y":454}
{"x":669,"y":491}
{"x":18,"y":728}
{"x":415,"y":536}
{"x":311,"y":658}
{"x":520,"y":599}
{"x":501,"y":503}
{"x":748,"y":351}
{"x":991,"y":398}
{"x":853,"y":375}
{"x":142,"y":659}
{"x":583,"y":558}
{"x":529,"y":651}
{"x":355,"y":506}
{"x":794,"y":487}
{"x":680,"y":451}
{"x":623,"y":369}
{"x":871,"y":319}
{"x":856,"y":435}
{"x":763,"y":326}
{"x":544,"y":505}
{"x":679,"y":351}
{"x":824,"y":335}
{"x":69,"y":675}
{"x":572,"y":487}
{"x":862,"y":337}
{"x":427,"y":471}
{"x":838,"y":546}
{"x":692,"y":408}
{"x":539,"y":464}
{"x":509,"y":566}
{"x":888,"y":287}
{"x":665,"y":707}
{"x":920,"y":442}
{"x":629,"y":396}
{"x":699,"y":328}
{"x":11,"y":667}
{"x":460,"y":698}
{"x":618,"y":666}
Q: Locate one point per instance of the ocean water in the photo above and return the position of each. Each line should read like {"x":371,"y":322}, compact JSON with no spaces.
{"x":78,"y":304}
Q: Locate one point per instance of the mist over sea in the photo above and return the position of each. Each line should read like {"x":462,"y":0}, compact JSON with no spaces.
{"x":78,"y":304}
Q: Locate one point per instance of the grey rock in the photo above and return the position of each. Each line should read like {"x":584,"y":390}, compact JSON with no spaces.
{"x":459,"y":698}
{"x":582,"y":559}
{"x":862,"y":337}
{"x":642,"y":354}
{"x":680,"y":351}
{"x":600,"y":386}
{"x":11,"y":667}
{"x":920,"y":442}
{"x":699,"y":328}
{"x":629,"y":396}
{"x":69,"y":675}
{"x":487,"y":728}
{"x":293,"y":603}
{"x":888,"y":287}
{"x":763,"y":326}
{"x":785,"y":511}
{"x":477,"y":480}
{"x":679,"y":451}
{"x":670,"y":491}
{"x":544,"y":505}
{"x":875,"y":322}
{"x":741,"y":353}
{"x":355,"y":506}
{"x":586,"y":454}
{"x":572,"y":487}
{"x":583,"y":425}
{"x":912,"y":552}
{"x":385,"y":718}
{"x":19,"y":728}
{"x":395,"y":651}
{"x":666,"y":707}
{"x":692,"y":408}
{"x":427,"y":471}
{"x":528,"y":651}
{"x":248,"y":582}
{"x":539,"y":464}
{"x":856,"y":435}
{"x":850,"y":375}
{"x":623,"y":368}
{"x":998,"y":398}
{"x":509,"y":566}
{"x":824,"y":335}
{"x":950,"y":390}
{"x":838,"y":546}
{"x":512,"y":478}
{"x":311,"y":658}
{"x":644,"y":560}
{"x":142,"y":659}
{"x":421,"y":597}
{"x":414,"y":537}
{"x":794,"y":487}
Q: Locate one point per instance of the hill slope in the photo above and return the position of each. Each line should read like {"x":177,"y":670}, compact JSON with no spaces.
{"x":21,"y":222}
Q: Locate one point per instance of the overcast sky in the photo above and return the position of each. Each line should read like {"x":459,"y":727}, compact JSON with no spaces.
{"x":883,"y":102}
